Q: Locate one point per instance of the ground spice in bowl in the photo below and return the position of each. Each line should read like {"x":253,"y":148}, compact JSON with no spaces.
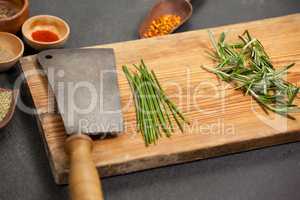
{"x":162,"y":26}
{"x":5,"y":103}
{"x":44,"y":36}
{"x":9,"y":9}
{"x":5,"y":55}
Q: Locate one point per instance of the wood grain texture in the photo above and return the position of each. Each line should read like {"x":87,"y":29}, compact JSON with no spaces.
{"x":84,"y":181}
{"x":223,"y":120}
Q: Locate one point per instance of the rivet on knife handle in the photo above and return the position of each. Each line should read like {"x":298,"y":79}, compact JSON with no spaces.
{"x":84,"y":181}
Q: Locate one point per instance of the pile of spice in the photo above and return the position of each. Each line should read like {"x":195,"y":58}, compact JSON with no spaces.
{"x":5,"y":103}
{"x":44,"y":36}
{"x":246,"y":65}
{"x":154,"y":110}
{"x":162,"y":26}
{"x":8,"y":9}
{"x":5,"y":55}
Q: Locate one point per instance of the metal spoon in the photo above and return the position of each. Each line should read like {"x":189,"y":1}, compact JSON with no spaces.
{"x":12,"y":106}
{"x":182,"y":8}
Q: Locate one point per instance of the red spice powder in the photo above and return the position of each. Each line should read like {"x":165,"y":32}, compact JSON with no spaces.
{"x":44,"y":36}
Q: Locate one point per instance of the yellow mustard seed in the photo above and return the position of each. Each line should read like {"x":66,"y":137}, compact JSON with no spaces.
{"x":163,"y":25}
{"x":5,"y":103}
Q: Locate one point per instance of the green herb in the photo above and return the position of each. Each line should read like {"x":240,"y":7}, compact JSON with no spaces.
{"x":154,"y":110}
{"x":249,"y":68}
{"x":5,"y":103}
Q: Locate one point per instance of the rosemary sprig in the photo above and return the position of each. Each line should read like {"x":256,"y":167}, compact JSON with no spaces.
{"x":154,"y":109}
{"x":246,"y":65}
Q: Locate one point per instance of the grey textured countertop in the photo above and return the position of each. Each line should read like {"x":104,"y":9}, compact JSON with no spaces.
{"x":271,"y":173}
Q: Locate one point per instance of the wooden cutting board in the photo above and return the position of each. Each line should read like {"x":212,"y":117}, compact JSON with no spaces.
{"x":223,"y":120}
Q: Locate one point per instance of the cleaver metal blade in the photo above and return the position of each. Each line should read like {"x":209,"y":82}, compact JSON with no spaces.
{"x":85,"y":85}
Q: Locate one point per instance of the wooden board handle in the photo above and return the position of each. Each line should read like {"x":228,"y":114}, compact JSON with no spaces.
{"x":84,"y":181}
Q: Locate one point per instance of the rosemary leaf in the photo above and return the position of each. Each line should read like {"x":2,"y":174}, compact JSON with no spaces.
{"x":246,"y":65}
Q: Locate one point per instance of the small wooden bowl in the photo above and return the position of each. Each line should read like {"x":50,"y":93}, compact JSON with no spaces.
{"x":7,"y":118}
{"x":48,"y":23}
{"x":13,"y":23}
{"x":13,"y":46}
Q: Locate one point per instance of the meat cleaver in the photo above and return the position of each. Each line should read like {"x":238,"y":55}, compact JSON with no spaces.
{"x":85,"y":85}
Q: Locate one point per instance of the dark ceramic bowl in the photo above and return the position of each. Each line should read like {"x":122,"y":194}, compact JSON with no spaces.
{"x":14,"y":23}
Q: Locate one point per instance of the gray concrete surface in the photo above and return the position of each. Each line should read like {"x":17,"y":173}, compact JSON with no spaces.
{"x":271,"y":173}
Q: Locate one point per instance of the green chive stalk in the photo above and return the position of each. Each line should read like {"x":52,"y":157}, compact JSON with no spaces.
{"x":154,"y":110}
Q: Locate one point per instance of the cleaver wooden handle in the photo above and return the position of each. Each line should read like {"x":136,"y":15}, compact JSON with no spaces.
{"x":84,"y":181}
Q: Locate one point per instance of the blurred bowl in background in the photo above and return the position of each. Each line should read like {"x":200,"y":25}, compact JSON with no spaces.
{"x":13,"y":13}
{"x":11,"y":50}
{"x":8,"y":102}
{"x":50,"y":31}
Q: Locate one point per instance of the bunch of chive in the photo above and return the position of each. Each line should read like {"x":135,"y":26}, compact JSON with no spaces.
{"x":154,"y":109}
{"x":247,"y":66}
